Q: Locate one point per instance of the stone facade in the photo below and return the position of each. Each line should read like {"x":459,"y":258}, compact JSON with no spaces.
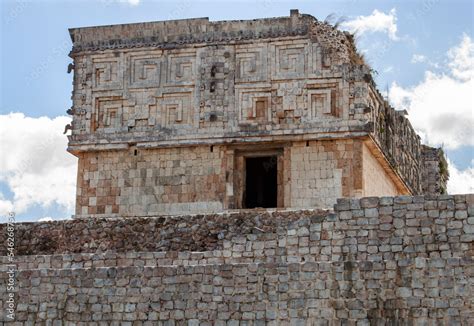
{"x":435,"y":172}
{"x":168,"y":115}
{"x":385,"y":261}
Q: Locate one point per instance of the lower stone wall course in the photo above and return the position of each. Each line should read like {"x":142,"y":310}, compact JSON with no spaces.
{"x":410,"y":292}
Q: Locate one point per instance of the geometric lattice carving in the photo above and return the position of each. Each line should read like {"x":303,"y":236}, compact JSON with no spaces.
{"x":136,"y":115}
{"x":254,"y":106}
{"x":107,"y":74}
{"x":320,"y":59}
{"x":289,"y":61}
{"x":326,"y":58}
{"x":316,"y":59}
{"x":180,"y":69}
{"x":176,"y":109}
{"x":251,"y":64}
{"x":145,"y":71}
{"x":108,"y":114}
{"x":319,"y":103}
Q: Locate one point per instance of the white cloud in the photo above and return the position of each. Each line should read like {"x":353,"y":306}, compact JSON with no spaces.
{"x":5,"y":205}
{"x":460,"y":182}
{"x":440,"y":107}
{"x":376,"y":22}
{"x":462,"y":59}
{"x":420,"y":58}
{"x":34,"y":164}
{"x":46,"y":219}
{"x":416,"y":58}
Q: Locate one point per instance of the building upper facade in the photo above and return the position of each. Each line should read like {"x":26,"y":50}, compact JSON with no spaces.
{"x":195,"y":79}
{"x":195,"y":82}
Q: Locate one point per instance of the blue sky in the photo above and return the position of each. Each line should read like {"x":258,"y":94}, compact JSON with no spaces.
{"x":417,"y":48}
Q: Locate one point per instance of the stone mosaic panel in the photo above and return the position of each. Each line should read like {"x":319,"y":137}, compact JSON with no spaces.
{"x":319,"y":103}
{"x":107,"y":73}
{"x":176,"y":109}
{"x":251,"y":63}
{"x":108,"y":115}
{"x":181,"y":68}
{"x":145,"y":70}
{"x":254,"y":105}
{"x":288,"y":60}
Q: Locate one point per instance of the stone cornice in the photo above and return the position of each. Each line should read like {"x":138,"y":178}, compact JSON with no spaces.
{"x":179,"y":33}
{"x":207,"y":38}
{"x":347,"y":133}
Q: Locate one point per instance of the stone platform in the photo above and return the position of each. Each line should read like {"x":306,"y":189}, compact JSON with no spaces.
{"x":372,"y":261}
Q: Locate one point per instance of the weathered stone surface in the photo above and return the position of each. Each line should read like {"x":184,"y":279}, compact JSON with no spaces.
{"x":253,"y":266}
{"x":250,"y":235}
{"x":435,"y":172}
{"x":165,"y":115}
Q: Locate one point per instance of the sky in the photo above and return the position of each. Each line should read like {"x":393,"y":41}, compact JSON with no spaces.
{"x":422,"y":53}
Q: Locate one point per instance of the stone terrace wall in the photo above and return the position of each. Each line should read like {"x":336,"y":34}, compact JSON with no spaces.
{"x":413,"y":291}
{"x":373,"y":260}
{"x":431,"y":226}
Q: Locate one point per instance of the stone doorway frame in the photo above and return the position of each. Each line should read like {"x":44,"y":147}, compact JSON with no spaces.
{"x":239,"y":172}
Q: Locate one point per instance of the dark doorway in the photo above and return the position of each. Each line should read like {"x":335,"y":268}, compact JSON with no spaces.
{"x":261,"y":182}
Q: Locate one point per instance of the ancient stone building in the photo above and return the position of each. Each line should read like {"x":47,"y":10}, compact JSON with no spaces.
{"x":190,"y":116}
{"x":194,"y":116}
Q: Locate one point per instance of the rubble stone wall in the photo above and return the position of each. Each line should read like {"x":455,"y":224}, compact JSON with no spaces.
{"x":402,"y":226}
{"x":389,"y":259}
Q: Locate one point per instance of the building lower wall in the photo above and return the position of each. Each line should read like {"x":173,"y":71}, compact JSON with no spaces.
{"x":322,"y":171}
{"x":376,"y":181}
{"x":139,"y":182}
{"x":208,"y":179}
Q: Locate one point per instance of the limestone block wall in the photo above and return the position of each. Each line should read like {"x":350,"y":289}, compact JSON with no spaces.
{"x":210,"y":179}
{"x":421,"y":291}
{"x":403,"y":260}
{"x":374,"y":176}
{"x":322,"y":171}
{"x":138,"y":181}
